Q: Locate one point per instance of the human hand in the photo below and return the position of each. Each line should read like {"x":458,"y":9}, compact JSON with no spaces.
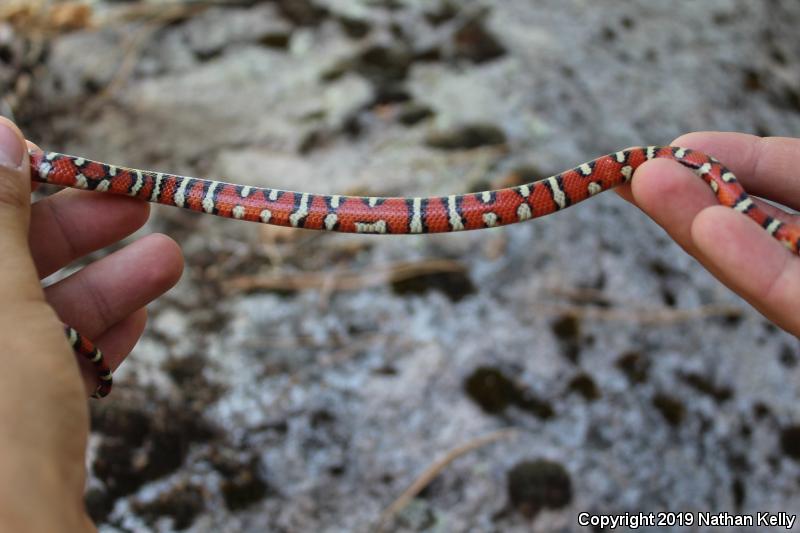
{"x":43,"y":390}
{"x":736,"y":250}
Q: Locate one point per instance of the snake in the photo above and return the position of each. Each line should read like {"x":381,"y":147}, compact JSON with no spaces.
{"x":385,"y":215}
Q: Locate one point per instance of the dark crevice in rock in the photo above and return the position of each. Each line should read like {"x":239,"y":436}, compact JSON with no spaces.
{"x":534,"y":486}
{"x":495,"y":392}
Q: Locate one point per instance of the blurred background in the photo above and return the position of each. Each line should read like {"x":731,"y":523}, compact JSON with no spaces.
{"x":501,"y":380}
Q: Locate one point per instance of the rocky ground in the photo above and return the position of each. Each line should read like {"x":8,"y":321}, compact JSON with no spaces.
{"x":301,"y":382}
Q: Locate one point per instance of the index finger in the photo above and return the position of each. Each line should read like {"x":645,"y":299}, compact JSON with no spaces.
{"x":766,"y":166}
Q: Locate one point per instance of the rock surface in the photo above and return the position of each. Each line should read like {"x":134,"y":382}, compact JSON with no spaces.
{"x":635,"y":381}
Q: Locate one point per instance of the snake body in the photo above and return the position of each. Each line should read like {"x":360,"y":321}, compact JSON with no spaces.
{"x":379,"y":215}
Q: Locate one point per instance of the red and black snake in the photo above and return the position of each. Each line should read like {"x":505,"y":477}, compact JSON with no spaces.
{"x":355,"y":214}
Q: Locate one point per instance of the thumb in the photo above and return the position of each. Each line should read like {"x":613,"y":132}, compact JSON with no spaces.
{"x":18,"y":279}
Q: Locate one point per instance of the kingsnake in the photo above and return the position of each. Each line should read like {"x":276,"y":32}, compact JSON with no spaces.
{"x":376,"y":215}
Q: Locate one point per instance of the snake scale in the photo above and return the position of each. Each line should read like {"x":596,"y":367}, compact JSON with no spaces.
{"x":377,"y":215}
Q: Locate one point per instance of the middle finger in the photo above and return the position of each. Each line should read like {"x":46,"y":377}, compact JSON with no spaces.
{"x":95,"y":298}
{"x":71,"y":224}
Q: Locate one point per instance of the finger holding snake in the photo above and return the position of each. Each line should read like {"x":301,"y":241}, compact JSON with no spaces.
{"x":733,"y":248}
{"x":105,"y":300}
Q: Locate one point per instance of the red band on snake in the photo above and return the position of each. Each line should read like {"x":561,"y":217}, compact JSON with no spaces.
{"x":377,"y":215}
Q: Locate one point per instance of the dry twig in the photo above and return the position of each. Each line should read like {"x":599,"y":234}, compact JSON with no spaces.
{"x":345,"y":281}
{"x":598,"y":305}
{"x":137,"y":40}
{"x":644,"y":315}
{"x":430,"y":473}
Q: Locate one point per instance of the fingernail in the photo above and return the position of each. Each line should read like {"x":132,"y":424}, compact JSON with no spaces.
{"x":11,"y":149}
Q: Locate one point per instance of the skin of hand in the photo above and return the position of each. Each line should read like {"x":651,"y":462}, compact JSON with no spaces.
{"x":43,"y":387}
{"x":736,"y":250}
